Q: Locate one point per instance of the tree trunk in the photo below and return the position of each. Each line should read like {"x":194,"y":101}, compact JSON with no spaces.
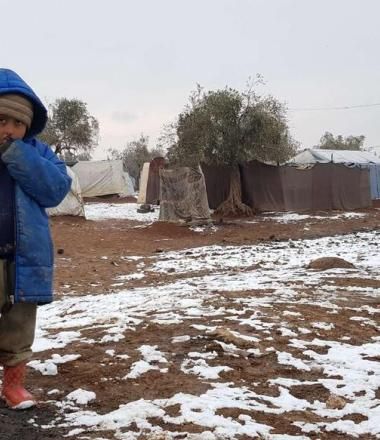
{"x":233,"y":205}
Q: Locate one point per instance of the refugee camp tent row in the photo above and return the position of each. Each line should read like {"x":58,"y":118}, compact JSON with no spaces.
{"x":289,"y":188}
{"x":350,"y":158}
{"x":151,"y":181}
{"x":103,"y":177}
{"x":91,"y":179}
{"x":318,"y":188}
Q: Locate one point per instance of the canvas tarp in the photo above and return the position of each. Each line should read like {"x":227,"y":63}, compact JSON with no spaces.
{"x":183,"y":196}
{"x":321,"y":187}
{"x":153,"y":184}
{"x":144,"y":175}
{"x":72,"y":204}
{"x":100,"y":178}
{"x":218,"y":182}
{"x":261,"y":187}
{"x":348,"y":157}
{"x":149,"y":188}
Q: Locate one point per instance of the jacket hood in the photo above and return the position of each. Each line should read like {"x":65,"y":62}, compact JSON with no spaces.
{"x":10,"y":82}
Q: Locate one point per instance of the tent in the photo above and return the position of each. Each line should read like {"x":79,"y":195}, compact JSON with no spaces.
{"x":103,"y":177}
{"x":323,"y":186}
{"x":183,"y":196}
{"x":72,"y":204}
{"x":320,"y":186}
{"x":149,"y":188}
{"x":218,"y":182}
{"x":144,"y":175}
{"x":350,"y":158}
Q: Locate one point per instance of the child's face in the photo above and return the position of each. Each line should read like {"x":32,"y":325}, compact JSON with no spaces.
{"x":11,"y":128}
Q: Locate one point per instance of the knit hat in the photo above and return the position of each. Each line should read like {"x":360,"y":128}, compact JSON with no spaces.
{"x":17,"y":107}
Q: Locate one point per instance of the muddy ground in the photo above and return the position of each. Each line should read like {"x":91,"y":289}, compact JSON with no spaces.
{"x":79,"y":246}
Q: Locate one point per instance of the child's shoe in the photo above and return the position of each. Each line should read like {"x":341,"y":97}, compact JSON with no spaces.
{"x":13,"y":392}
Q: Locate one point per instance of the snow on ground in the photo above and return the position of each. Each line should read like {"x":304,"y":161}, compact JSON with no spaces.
{"x":290,"y":217}
{"x":349,"y":371}
{"x":294,"y":216}
{"x":104,"y":211}
{"x":274,"y":262}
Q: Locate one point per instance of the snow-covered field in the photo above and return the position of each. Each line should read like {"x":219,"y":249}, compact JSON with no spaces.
{"x":277,"y":270}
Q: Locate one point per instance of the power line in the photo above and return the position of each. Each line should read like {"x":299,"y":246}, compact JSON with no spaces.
{"x":347,"y":107}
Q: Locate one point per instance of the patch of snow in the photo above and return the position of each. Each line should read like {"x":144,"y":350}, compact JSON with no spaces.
{"x":105,"y":211}
{"x":81,"y":397}
{"x":199,"y":367}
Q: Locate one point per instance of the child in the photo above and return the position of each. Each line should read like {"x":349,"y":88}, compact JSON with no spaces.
{"x":32,"y":178}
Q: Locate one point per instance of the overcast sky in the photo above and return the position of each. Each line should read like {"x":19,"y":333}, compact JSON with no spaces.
{"x":135,"y":62}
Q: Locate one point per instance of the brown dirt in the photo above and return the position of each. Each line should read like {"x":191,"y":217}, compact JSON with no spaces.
{"x":80,"y":244}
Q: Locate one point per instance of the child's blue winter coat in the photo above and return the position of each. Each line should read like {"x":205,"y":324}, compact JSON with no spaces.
{"x":41,"y":181}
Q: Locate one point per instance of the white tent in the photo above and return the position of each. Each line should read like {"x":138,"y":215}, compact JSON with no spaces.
{"x":347,"y":157}
{"x":375,"y":150}
{"x":103,"y":177}
{"x":144,"y":175}
{"x":129,"y":187}
{"x":72,"y":204}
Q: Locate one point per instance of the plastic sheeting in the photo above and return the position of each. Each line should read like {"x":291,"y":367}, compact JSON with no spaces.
{"x":72,"y":204}
{"x":101,"y":178}
{"x":183,"y":196}
{"x":129,"y":188}
{"x":348,"y":157}
{"x":374,"y":175}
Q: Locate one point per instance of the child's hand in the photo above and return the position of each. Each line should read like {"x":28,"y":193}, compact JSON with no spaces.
{"x":5,"y":144}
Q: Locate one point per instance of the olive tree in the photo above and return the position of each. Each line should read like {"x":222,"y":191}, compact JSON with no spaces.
{"x":134,"y":155}
{"x":228,"y":127}
{"x":71,"y":130}
{"x":330,"y":142}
